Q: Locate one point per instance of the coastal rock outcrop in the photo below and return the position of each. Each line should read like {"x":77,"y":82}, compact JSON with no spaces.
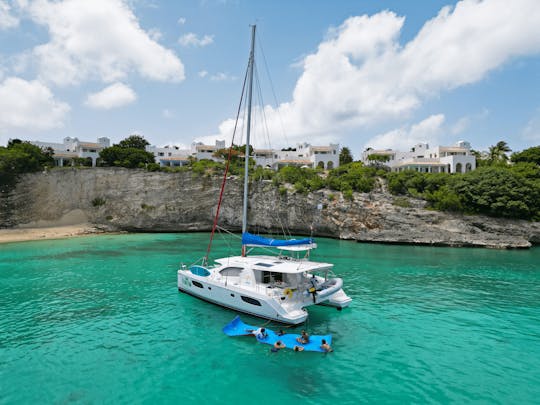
{"x":137,"y":200}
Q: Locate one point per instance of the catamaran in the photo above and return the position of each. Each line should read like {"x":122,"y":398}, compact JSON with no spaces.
{"x":278,"y":287}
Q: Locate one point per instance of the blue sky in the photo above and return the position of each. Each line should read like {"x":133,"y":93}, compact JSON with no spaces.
{"x":382,"y":74}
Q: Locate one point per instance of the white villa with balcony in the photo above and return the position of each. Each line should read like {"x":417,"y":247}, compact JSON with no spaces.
{"x":304,"y":155}
{"x":170,"y":155}
{"x":71,"y":148}
{"x":422,"y":158}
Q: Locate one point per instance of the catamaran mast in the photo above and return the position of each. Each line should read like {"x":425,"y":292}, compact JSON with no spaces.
{"x":248,"y":132}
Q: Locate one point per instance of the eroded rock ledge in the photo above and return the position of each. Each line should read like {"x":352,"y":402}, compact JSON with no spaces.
{"x":118,"y":199}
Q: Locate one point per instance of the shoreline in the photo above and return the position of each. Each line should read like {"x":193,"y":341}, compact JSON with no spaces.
{"x":22,"y":234}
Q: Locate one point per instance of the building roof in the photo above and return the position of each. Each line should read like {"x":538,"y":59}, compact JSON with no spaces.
{"x":381,"y":152}
{"x":208,"y":147}
{"x":322,"y":148}
{"x":175,"y":158}
{"x":65,"y":154}
{"x":453,"y":149}
{"x":91,"y":145}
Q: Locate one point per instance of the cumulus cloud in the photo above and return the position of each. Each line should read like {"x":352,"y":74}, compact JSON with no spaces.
{"x":114,"y":96}
{"x":191,"y":39}
{"x":7,"y":20}
{"x":220,"y":77}
{"x":203,"y":73}
{"x":426,"y":131}
{"x":361,"y":75}
{"x":29,"y":105}
{"x":99,"y":39}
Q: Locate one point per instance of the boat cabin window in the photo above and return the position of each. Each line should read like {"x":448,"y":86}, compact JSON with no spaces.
{"x":269,"y":277}
{"x":251,"y":301}
{"x":197,"y":284}
{"x":231,"y":271}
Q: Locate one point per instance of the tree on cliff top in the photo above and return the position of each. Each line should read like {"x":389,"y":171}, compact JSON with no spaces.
{"x":530,"y":155}
{"x":130,"y":152}
{"x":134,"y":141}
{"x":345,"y":156}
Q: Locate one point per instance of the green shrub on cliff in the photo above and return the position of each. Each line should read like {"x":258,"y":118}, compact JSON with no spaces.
{"x":500,"y":191}
{"x":353,"y":176}
{"x":21,"y":157}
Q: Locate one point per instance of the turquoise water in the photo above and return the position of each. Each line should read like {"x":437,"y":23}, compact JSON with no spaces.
{"x":100,"y":320}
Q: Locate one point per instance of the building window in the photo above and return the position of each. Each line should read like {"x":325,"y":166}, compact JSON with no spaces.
{"x":161,"y":154}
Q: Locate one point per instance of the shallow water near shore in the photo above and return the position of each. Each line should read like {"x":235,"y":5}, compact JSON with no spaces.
{"x":99,"y":320}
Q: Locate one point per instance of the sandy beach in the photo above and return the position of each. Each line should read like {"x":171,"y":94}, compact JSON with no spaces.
{"x":53,"y":232}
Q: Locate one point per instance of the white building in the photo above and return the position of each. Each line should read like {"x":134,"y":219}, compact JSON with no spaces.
{"x":422,"y":158}
{"x":201,"y":151}
{"x":71,"y":148}
{"x":325,"y":157}
{"x":170,"y":155}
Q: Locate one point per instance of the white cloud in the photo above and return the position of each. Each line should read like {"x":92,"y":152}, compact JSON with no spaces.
{"x":203,"y":73}
{"x":191,"y":39}
{"x":155,"y":34}
{"x":99,"y":39}
{"x":181,"y":21}
{"x":114,"y":96}
{"x":361,"y":75}
{"x":220,"y":77}
{"x":7,"y":20}
{"x":29,"y":105}
{"x":166,"y":113}
{"x":426,"y":131}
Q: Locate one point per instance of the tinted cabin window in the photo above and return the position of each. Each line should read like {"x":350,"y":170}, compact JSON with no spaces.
{"x":271,"y":277}
{"x":197,"y":284}
{"x":251,"y":301}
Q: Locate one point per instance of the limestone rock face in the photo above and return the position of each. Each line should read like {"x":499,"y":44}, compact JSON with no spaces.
{"x":137,"y":200}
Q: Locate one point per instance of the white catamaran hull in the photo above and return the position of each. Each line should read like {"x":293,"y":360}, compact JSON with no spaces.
{"x":232,"y":297}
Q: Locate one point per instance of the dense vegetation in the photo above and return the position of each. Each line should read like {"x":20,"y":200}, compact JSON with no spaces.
{"x":21,"y":157}
{"x":496,"y":188}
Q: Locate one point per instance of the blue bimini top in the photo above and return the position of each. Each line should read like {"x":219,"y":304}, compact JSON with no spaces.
{"x":256,"y":240}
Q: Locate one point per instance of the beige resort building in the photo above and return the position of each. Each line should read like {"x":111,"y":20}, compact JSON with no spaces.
{"x":421,"y":158}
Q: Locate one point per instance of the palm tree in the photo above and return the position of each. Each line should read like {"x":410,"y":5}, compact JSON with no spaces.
{"x":498,"y":152}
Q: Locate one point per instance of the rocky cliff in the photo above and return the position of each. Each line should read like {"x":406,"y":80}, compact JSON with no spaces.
{"x":136,"y":200}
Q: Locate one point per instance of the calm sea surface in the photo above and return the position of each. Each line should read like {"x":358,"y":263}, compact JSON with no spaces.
{"x":100,"y":320}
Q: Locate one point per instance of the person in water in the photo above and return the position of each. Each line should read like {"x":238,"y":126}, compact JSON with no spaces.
{"x":298,"y":348}
{"x":280,"y":333}
{"x":277,"y":346}
{"x":325,"y":346}
{"x":259,"y":333}
{"x":303,"y":338}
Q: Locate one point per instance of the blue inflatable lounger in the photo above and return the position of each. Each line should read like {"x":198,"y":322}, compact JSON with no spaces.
{"x":238,"y":328}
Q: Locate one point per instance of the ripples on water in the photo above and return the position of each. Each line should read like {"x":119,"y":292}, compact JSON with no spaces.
{"x":99,"y":319}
